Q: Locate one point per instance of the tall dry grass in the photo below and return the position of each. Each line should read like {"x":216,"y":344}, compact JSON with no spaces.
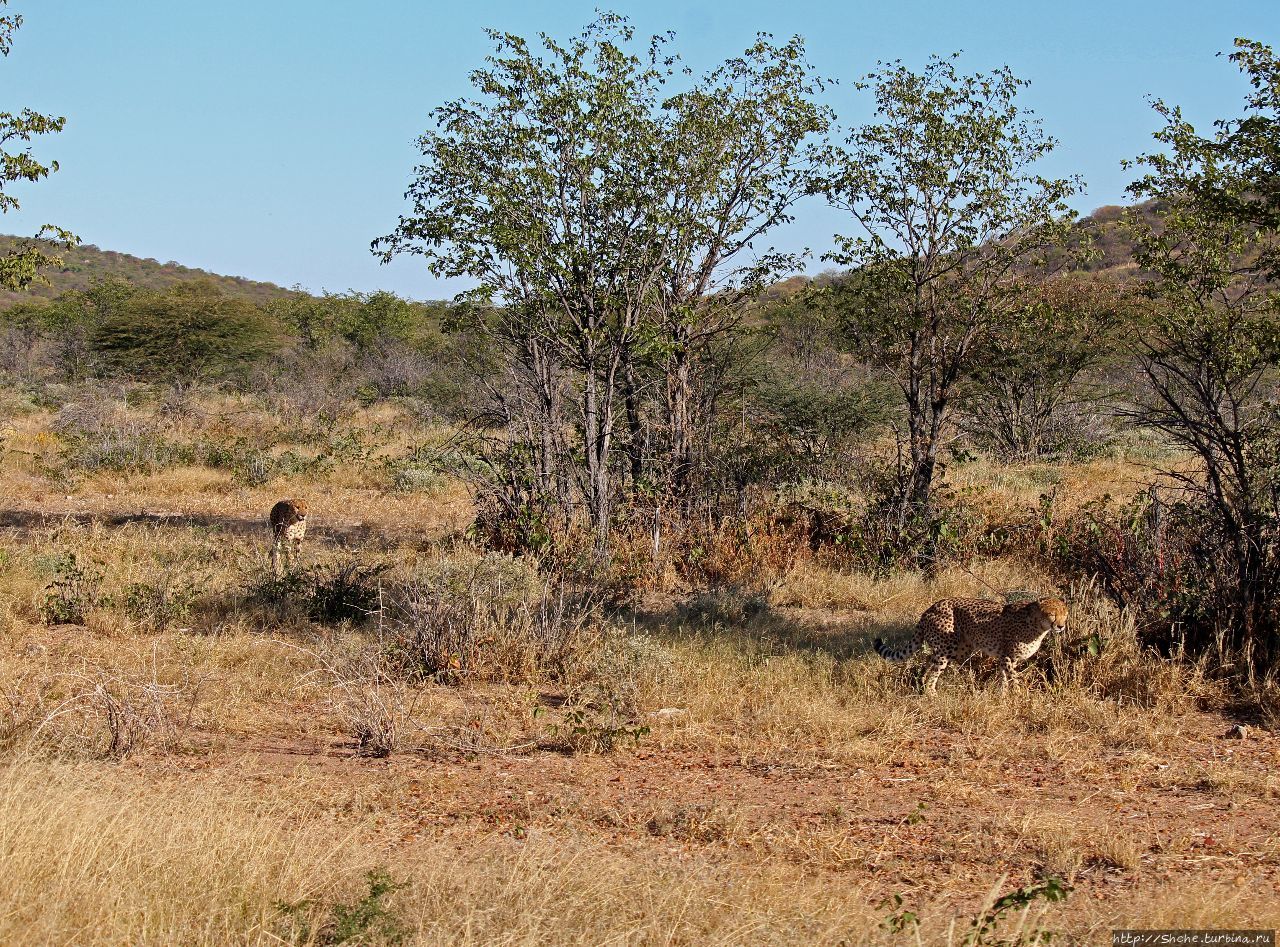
{"x":97,"y":856}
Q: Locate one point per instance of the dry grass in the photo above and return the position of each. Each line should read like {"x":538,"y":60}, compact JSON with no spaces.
{"x":109,"y":857}
{"x":100,"y":859}
{"x":201,"y":749}
{"x":904,"y":595}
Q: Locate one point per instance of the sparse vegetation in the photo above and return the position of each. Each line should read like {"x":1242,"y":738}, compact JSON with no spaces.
{"x":579,"y":648}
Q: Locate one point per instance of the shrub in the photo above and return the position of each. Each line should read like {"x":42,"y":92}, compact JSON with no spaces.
{"x":96,"y":408}
{"x":1030,"y":397}
{"x":374,"y":723}
{"x":1171,"y":563}
{"x":368,"y":920}
{"x":130,"y":448}
{"x":421,"y":470}
{"x":450,"y":627}
{"x":344,"y":591}
{"x":890,"y":532}
{"x":254,"y":465}
{"x":603,"y":710}
{"x":160,"y":604}
{"x":75,"y":589}
{"x":113,"y":716}
{"x":307,"y":384}
{"x":190,"y":331}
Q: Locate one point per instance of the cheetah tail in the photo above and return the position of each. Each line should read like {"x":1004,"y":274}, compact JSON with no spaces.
{"x":900,"y":651}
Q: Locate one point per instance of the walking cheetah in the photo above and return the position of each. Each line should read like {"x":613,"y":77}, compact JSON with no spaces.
{"x":288,"y":520}
{"x":955,"y":628}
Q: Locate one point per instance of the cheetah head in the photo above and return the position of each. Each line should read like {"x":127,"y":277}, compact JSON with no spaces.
{"x":1053,"y":612}
{"x":300,"y":506}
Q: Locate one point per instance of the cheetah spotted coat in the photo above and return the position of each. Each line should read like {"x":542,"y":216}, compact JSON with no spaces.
{"x":955,"y":628}
{"x":288,"y":520}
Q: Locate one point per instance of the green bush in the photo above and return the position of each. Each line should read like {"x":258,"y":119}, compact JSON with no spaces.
{"x":191,"y":331}
{"x":161,"y":604}
{"x":368,"y":920}
{"x":75,"y":589}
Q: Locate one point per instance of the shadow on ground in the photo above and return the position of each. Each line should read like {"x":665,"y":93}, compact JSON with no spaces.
{"x":341,"y":535}
{"x":841,"y":635}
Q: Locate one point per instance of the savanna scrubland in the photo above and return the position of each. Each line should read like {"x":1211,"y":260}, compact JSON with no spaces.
{"x":578,"y":648}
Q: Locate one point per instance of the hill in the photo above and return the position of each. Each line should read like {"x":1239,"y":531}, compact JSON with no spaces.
{"x":1108,"y":235}
{"x":1105,"y":232}
{"x":87,"y":263}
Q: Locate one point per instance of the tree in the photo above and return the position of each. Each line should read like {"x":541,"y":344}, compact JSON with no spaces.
{"x":737,"y":153}
{"x":952,"y":219}
{"x":187,"y":333}
{"x":1240,"y":176}
{"x":68,"y":322}
{"x":1212,"y":363}
{"x":363,"y":320}
{"x":602,"y":218}
{"x":21,"y":266}
{"x":537,"y":190}
{"x":1025,"y":393}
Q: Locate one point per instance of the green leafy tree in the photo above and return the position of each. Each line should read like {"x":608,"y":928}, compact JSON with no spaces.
{"x":68,"y":322}
{"x":1239,"y":176}
{"x":1025,"y":396}
{"x":951,"y":215}
{"x":1212,"y":362}
{"x":536,"y":190}
{"x":22,"y":264}
{"x":738,"y":150}
{"x":603,"y":217}
{"x":189,"y":333}
{"x":360,"y":319}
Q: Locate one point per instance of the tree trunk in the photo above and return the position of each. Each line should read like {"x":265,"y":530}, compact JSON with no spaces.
{"x":679,"y":415}
{"x":637,"y":439}
{"x":595,"y":437}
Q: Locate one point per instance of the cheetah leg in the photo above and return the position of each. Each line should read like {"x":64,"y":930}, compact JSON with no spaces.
{"x":936,"y":667}
{"x":276,"y":551}
{"x":1008,"y":674}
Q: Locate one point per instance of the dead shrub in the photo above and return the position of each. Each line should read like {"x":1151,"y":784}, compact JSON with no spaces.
{"x":704,"y":822}
{"x":375,"y":714}
{"x":107,"y":715}
{"x":135,"y":714}
{"x":432,"y":632}
{"x":375,"y":711}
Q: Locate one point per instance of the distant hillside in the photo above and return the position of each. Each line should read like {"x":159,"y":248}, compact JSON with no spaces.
{"x":1105,"y":229}
{"x":87,"y":263}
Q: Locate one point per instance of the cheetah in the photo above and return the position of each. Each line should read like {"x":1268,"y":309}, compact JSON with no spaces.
{"x":955,"y":628}
{"x":288,"y":520}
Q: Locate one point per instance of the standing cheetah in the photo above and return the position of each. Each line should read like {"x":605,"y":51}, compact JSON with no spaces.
{"x":955,"y":628}
{"x":288,"y":520}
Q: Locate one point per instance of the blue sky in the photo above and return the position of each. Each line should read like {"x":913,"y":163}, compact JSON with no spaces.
{"x":273,"y":139}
